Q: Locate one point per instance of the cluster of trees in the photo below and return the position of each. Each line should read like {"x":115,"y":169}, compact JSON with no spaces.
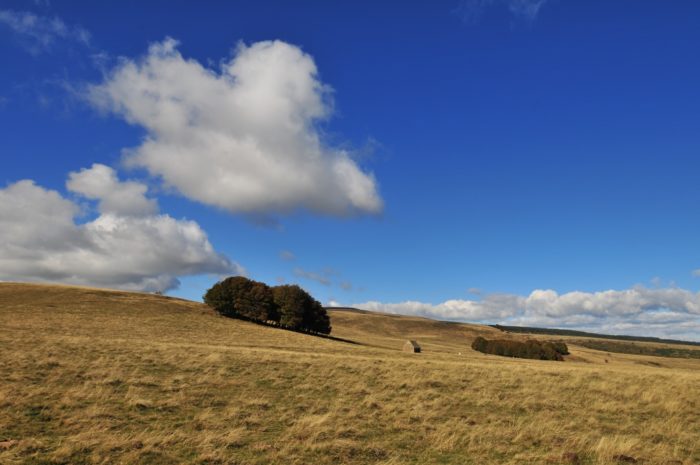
{"x":287,"y":305}
{"x":531,"y":348}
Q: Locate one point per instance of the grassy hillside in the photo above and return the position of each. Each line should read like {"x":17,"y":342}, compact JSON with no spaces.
{"x":391,"y":331}
{"x":95,"y":376}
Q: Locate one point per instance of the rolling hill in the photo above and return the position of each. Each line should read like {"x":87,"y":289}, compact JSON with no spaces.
{"x":100,"y":376}
{"x":391,"y":331}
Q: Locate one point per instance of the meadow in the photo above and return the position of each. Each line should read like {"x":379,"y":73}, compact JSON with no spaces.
{"x":93,"y":376}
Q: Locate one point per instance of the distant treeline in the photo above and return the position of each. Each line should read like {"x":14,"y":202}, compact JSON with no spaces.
{"x":637,"y":349}
{"x":571,"y":332}
{"x":532,"y":349}
{"x":288,"y":306}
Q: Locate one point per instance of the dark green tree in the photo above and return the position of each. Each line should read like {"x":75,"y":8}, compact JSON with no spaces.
{"x":531,"y":348}
{"x":480,"y":344}
{"x":560,"y":347}
{"x":298,"y":310}
{"x":316,"y":318}
{"x":242,"y":297}
{"x":290,"y":301}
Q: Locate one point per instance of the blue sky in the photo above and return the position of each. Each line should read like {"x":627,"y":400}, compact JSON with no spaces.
{"x":519,"y":161}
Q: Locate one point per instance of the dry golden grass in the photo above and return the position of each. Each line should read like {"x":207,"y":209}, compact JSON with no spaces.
{"x":91,"y":376}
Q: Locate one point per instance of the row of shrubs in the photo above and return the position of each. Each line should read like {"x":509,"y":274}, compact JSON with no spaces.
{"x":288,"y":305}
{"x":531,"y":348}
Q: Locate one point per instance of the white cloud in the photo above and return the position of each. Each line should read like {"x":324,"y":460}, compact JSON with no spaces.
{"x":494,"y":307}
{"x":471,"y":10}
{"x":41,"y":241}
{"x":633,"y":301}
{"x":666,"y":312}
{"x":696,"y":273}
{"x":244,"y":138}
{"x":39,"y":33}
{"x":121,"y":198}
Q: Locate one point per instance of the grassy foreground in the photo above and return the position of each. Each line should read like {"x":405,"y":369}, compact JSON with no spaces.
{"x":95,"y":376}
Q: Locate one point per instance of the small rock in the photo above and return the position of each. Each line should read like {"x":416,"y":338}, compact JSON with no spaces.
{"x":4,"y":445}
{"x":624,"y":458}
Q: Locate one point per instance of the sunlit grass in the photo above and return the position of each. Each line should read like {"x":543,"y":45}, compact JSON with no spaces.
{"x":104,"y":377}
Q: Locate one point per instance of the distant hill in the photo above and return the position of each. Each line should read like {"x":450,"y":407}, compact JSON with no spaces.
{"x":348,"y":309}
{"x":571,"y":332}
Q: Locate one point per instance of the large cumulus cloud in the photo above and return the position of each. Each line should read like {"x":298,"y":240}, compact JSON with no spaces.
{"x":244,"y":138}
{"x":121,"y":198}
{"x":128,"y":245}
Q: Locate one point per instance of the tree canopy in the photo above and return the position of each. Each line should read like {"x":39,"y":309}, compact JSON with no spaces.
{"x":531,"y":348}
{"x":288,"y":305}
{"x":242,"y":297}
{"x":298,"y":309}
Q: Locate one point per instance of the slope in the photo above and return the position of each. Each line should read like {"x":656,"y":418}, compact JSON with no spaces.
{"x":93,"y":376}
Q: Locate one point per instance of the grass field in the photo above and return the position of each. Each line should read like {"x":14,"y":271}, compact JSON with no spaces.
{"x":92,"y":376}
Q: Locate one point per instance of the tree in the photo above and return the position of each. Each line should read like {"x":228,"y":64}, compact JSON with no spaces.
{"x":290,"y":301}
{"x":531,"y":348}
{"x":289,"y":305}
{"x":242,"y":297}
{"x":298,"y":310}
{"x":480,"y":344}
{"x":316,"y":317}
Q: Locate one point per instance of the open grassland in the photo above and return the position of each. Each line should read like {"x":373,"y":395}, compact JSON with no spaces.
{"x":92,"y":376}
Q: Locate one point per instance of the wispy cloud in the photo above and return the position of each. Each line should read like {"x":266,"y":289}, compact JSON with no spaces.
{"x":287,"y":256}
{"x":321,"y":278}
{"x":40,"y":33}
{"x":470,"y":11}
{"x":327,"y":276}
{"x":527,"y":9}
